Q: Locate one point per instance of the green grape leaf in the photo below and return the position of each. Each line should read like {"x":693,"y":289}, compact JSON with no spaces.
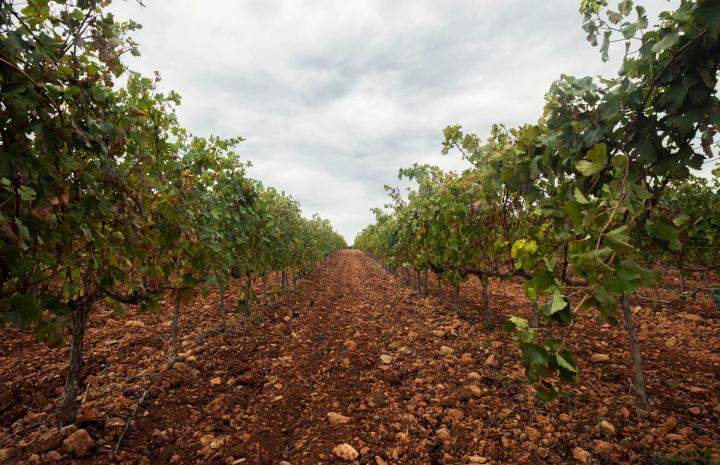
{"x":558,"y":302}
{"x":594,"y":162}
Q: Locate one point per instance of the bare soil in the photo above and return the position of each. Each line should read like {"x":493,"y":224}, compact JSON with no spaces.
{"x":412,"y":381}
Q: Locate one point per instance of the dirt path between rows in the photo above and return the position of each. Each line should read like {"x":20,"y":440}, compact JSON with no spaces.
{"x":404,"y":379}
{"x":326,"y":352}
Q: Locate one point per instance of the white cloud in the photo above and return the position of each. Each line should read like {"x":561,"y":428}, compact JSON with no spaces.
{"x":334,"y":97}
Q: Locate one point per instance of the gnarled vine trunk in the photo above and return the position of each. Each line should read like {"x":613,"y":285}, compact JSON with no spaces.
{"x":172,"y":355}
{"x":66,"y":412}
{"x":534,"y":320}
{"x":639,"y":378}
{"x":284,"y":279}
{"x":265,"y":288}
{"x":223,"y":314}
{"x":486,"y":304}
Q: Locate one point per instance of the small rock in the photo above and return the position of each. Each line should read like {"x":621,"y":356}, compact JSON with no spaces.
{"x":86,"y":415}
{"x":542,"y":452}
{"x":345,"y":452}
{"x":380,"y":461}
{"x":246,"y":379}
{"x":66,"y":431}
{"x":216,"y":443}
{"x":206,"y":440}
{"x":670,"y":423}
{"x":600,"y":358}
{"x":443,"y":434}
{"x":337,"y":419}
{"x":6,"y":454}
{"x":473,"y":375}
{"x":79,"y":443}
{"x":350,"y":345}
{"x":218,"y":406}
{"x":391,"y":377}
{"x":215,"y":381}
{"x":173,"y":377}
{"x":33,"y":459}
{"x":35,"y":417}
{"x":48,"y":441}
{"x":607,"y":428}
{"x":581,"y":455}
{"x":54,"y":455}
{"x":454,"y":415}
{"x":695,"y":410}
{"x":705,"y":441}
{"x":386,"y":359}
{"x":532,"y":434}
{"x":134,"y":324}
{"x":602,"y":447}
{"x":285,"y":462}
{"x":115,"y":423}
{"x":490,"y":361}
{"x":475,"y":391}
{"x":476,"y":459}
{"x":445,"y":350}
{"x":674,"y":437}
{"x":162,"y":435}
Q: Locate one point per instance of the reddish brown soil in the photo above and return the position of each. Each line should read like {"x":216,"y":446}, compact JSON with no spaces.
{"x":413,"y":378}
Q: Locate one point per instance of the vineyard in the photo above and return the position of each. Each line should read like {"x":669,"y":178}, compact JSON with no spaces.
{"x":558,"y":301}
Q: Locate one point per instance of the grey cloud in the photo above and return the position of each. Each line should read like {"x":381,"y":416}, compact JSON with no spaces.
{"x":334,"y":97}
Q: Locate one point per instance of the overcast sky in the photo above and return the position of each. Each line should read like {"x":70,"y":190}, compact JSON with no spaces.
{"x":333,"y":97}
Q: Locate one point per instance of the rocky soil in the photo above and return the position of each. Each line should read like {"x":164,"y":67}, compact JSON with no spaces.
{"x":352,"y":366}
